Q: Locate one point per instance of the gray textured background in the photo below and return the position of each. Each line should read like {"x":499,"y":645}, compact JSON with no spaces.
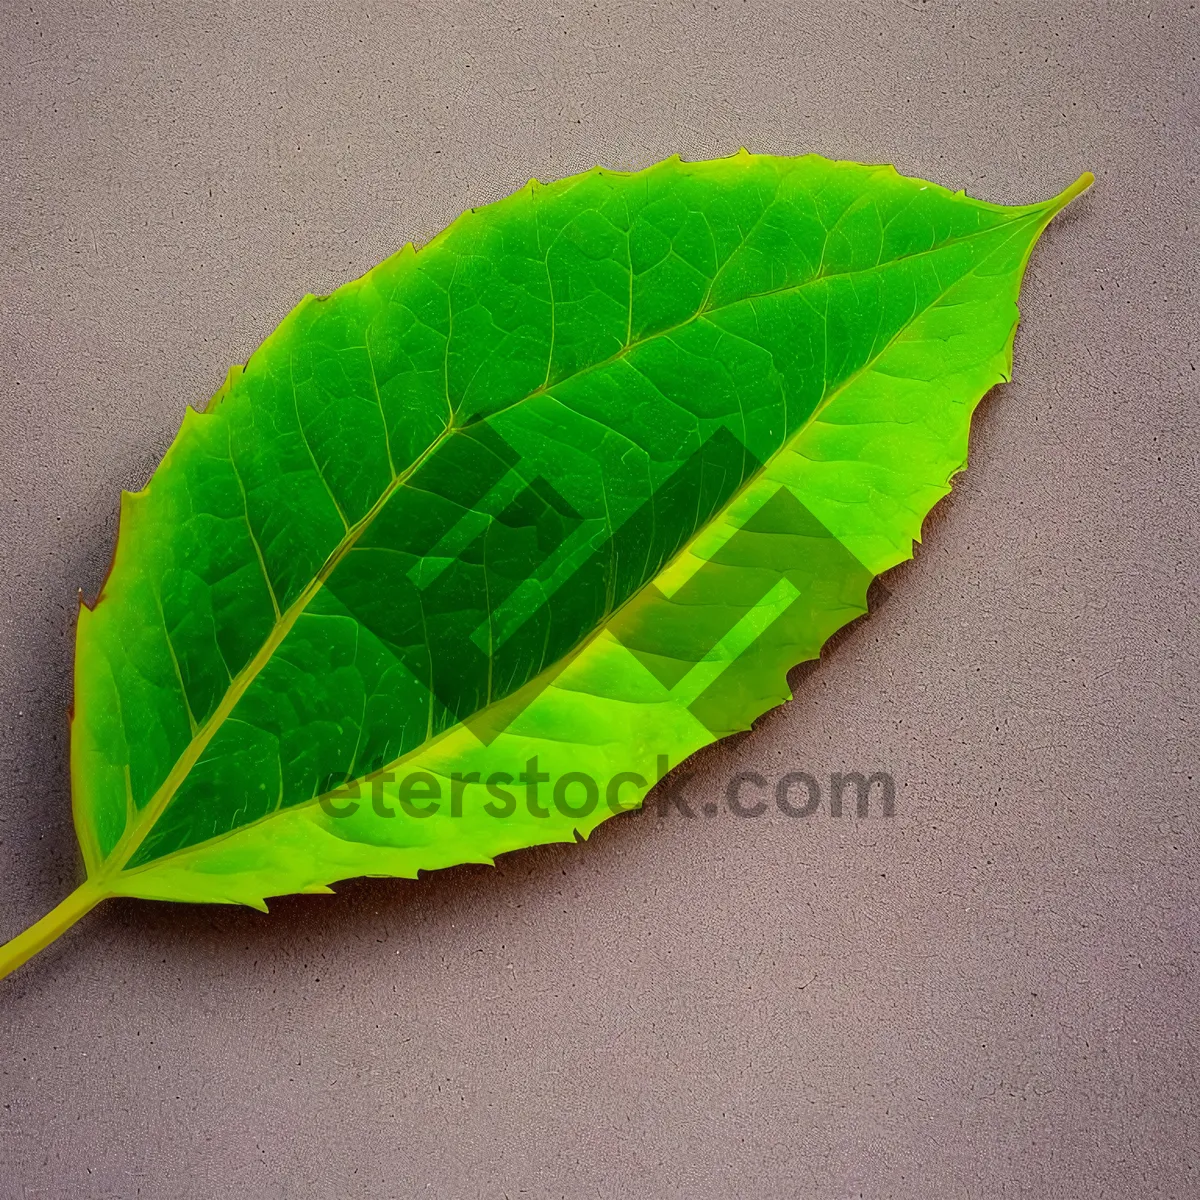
{"x":994,"y":994}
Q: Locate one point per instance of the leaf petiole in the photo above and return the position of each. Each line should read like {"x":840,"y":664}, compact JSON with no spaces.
{"x":55,"y":923}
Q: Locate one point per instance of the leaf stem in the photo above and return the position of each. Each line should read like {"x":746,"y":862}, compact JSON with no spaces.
{"x":56,"y":922}
{"x":1068,"y":194}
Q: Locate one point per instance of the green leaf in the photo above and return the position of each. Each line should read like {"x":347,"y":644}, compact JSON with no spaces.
{"x":473,"y":549}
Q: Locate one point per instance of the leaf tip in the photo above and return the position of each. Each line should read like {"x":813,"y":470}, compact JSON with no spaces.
{"x":1068,"y":194}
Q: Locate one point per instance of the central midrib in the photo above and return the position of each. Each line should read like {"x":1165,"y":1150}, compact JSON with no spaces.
{"x":133,"y":836}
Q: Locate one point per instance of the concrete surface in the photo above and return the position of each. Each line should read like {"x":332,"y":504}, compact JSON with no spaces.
{"x":992,"y":994}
